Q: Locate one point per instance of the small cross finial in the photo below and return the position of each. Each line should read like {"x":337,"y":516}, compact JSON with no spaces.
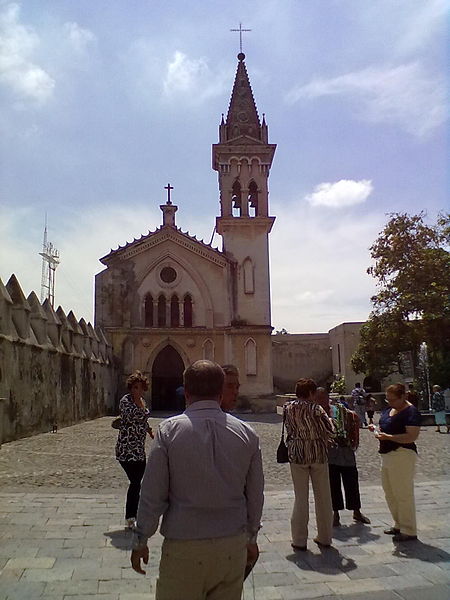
{"x":240,"y":35}
{"x":168,"y":187}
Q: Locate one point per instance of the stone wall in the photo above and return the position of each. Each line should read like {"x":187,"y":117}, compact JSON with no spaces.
{"x":300,"y":355}
{"x":54,"y":369}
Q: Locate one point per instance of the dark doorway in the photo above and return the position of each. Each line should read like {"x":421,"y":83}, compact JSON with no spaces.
{"x":167,"y":375}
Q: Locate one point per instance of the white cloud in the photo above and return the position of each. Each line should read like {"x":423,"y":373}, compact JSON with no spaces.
{"x":345,"y":192}
{"x":78,"y":37}
{"x":407,"y":95}
{"x":17,"y":70}
{"x":318,"y":267}
{"x":422,"y":24}
{"x":185,"y":76}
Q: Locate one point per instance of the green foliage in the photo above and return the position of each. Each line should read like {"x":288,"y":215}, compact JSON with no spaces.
{"x":338,"y":385}
{"x":412,"y":266}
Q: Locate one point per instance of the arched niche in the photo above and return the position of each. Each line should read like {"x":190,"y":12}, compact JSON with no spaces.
{"x":208,"y":350}
{"x":249,"y":276}
{"x":250,"y":357}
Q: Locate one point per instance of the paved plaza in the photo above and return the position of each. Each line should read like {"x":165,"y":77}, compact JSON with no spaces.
{"x":62,"y":534}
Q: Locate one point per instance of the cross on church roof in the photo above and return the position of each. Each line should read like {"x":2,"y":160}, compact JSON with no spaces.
{"x":240,"y":35}
{"x":168,"y":187}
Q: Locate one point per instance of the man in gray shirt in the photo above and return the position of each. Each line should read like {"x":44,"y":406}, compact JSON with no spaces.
{"x":204,"y":476}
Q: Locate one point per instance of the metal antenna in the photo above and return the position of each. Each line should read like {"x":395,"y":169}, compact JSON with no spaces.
{"x":50,"y":260}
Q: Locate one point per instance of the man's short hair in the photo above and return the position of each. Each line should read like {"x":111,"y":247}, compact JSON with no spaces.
{"x":304,"y":387}
{"x":230,"y":370}
{"x":204,"y":379}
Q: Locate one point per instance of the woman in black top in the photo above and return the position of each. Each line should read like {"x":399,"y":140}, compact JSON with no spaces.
{"x":130,"y":446}
{"x":399,"y":428}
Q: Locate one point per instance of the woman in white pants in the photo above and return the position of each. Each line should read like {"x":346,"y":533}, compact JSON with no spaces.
{"x":399,"y":429}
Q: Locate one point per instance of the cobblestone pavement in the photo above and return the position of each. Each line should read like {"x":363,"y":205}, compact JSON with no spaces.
{"x":72,"y":546}
{"x":82,"y":456}
{"x":62,"y":535}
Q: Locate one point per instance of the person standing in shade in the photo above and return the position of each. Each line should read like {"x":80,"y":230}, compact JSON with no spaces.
{"x":370,"y":408}
{"x":130,"y":446}
{"x":231,"y":386}
{"x":359,"y":403}
{"x":438,"y":405}
{"x":412,"y":396}
{"x":342,"y":460}
{"x":399,"y":429}
{"x":309,"y":432}
{"x":204,"y":476}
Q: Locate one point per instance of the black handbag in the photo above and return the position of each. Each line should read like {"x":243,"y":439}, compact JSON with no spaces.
{"x":282,"y":451}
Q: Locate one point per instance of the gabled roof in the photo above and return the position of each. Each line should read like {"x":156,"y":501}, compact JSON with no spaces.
{"x":160,"y":235}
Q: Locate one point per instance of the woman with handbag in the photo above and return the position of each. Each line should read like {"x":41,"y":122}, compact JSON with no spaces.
{"x":130,"y":446}
{"x":309,"y":431}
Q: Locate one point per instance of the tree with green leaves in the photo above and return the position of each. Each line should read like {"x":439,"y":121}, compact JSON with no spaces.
{"x":412,"y":304}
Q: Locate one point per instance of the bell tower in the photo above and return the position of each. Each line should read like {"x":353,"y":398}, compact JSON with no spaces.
{"x":243,"y":158}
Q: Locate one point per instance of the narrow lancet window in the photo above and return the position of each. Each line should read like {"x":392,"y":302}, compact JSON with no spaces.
{"x":161,"y":311}
{"x":253,"y":199}
{"x":236,"y":199}
{"x":148,"y":311}
{"x":187,"y":307}
{"x":174,"y":311}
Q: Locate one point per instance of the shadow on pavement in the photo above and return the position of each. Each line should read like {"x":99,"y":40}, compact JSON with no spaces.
{"x":329,"y":561}
{"x":356,"y":530}
{"x":421,"y":551}
{"x":259,"y":417}
{"x":121,"y":538}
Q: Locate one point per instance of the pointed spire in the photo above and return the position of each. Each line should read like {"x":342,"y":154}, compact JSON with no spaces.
{"x":242,"y":117}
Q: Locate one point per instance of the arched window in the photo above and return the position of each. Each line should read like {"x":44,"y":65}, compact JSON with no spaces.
{"x":161,"y":311}
{"x":148,"y":311}
{"x":208,"y":350}
{"x":253,"y":199}
{"x":174,"y":311}
{"x":187,"y":306}
{"x":250,"y":356}
{"x":249,"y":281}
{"x":236,"y":199}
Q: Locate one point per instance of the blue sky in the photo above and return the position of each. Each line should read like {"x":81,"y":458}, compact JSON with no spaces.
{"x":102,"y":103}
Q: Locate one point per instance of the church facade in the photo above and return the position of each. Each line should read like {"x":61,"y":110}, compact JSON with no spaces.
{"x":168,"y":299}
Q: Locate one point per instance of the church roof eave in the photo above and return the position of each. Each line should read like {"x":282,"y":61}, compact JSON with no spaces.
{"x":140,"y":244}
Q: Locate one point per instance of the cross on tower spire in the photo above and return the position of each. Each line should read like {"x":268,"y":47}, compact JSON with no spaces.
{"x":168,"y":187}
{"x":240,"y":35}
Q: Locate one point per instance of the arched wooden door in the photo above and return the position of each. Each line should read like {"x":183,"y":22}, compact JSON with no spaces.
{"x":167,"y":376}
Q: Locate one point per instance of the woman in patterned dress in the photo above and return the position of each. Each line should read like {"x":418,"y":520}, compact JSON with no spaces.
{"x":309,"y":430}
{"x":130,"y":447}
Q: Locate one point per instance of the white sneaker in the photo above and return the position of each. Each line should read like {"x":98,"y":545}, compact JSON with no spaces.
{"x":131,"y":523}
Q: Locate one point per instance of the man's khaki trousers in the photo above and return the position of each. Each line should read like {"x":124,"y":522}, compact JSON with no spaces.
{"x":210,"y":569}
{"x":397,"y":479}
{"x":301,"y":474}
